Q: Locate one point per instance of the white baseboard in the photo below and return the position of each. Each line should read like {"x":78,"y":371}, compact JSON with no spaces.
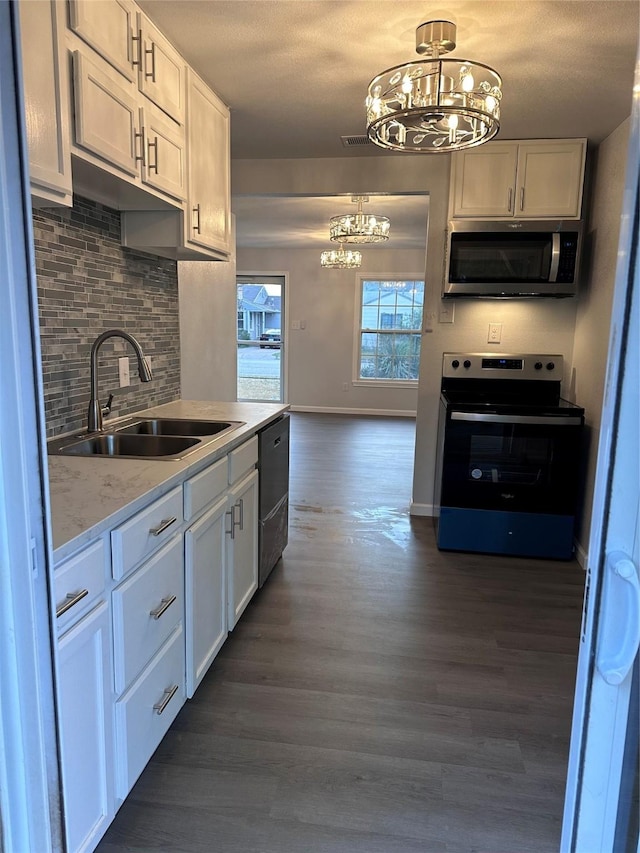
{"x":581,"y":554}
{"x":421,"y":509}
{"x":330,"y":410}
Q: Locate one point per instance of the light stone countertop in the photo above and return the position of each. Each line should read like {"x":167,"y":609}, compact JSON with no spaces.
{"x":89,"y":494}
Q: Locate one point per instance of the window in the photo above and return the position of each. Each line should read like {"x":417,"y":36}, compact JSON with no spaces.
{"x":390,"y":324}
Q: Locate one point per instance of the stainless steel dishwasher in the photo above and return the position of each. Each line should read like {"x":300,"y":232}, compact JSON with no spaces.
{"x":273,"y":464}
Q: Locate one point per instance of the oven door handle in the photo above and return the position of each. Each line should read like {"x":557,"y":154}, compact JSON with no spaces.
{"x":489,"y":418}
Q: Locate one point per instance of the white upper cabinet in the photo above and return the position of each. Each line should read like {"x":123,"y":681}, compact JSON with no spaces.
{"x":534,"y":179}
{"x":108,"y":26}
{"x":128,"y":41}
{"x":208,"y":220}
{"x":46,"y":92}
{"x":162,"y":70}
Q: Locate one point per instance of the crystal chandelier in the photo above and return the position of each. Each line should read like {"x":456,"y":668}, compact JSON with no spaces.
{"x":359,"y":227}
{"x":341,"y":259}
{"x":434,"y":104}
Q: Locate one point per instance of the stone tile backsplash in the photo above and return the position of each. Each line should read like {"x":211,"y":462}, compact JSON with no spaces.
{"x":87,"y":283}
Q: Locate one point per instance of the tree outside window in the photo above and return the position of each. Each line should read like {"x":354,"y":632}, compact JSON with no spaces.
{"x":390,"y":327}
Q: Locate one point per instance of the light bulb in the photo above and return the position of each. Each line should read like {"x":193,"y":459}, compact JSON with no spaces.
{"x":453,"y":122}
{"x":407,"y":85}
{"x":490,"y":103}
{"x":467,"y":83}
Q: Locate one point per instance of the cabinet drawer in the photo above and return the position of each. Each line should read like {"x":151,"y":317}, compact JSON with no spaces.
{"x":146,"y":711}
{"x":205,"y":487}
{"x":146,"y":609}
{"x":78,"y":582}
{"x":145,"y":532}
{"x":242,"y":459}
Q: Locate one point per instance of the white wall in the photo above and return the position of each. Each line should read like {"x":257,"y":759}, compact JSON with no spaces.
{"x":594,"y":306}
{"x":320,"y":356}
{"x":207,"y":304}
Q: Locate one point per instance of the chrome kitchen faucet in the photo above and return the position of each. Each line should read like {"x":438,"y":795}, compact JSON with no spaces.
{"x":96,"y":411}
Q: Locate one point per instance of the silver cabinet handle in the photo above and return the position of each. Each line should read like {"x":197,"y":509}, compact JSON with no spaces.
{"x":137,"y":39}
{"x":153,"y":145}
{"x":164,"y":605}
{"x":167,"y":696}
{"x":71,"y":599}
{"x":150,"y":75}
{"x":140,"y":136}
{"x":196,"y":227}
{"x":521,"y":198}
{"x":510,"y":199}
{"x":231,"y":514}
{"x":167,"y":522}
{"x":240,"y":506}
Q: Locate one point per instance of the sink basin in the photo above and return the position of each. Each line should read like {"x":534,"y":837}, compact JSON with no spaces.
{"x":132,"y":446}
{"x":176,"y":426}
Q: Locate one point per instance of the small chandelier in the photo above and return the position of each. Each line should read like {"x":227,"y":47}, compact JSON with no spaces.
{"x":434,"y":104}
{"x":359,"y":227}
{"x":341,"y":259}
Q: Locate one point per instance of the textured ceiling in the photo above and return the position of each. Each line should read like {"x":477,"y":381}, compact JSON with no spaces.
{"x":295,"y":75}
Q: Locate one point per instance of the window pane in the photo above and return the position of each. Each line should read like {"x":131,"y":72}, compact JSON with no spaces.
{"x":390,"y":356}
{"x":390,"y":311}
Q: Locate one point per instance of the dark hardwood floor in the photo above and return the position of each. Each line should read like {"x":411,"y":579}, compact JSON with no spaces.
{"x":378,"y":696}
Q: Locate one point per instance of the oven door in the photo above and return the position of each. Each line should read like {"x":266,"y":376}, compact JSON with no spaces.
{"x":512,"y":462}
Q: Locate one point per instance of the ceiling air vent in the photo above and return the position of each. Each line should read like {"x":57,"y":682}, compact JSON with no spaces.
{"x":350,"y":141}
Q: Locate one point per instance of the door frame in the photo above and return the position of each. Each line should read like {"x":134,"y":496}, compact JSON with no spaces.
{"x":30,"y":800}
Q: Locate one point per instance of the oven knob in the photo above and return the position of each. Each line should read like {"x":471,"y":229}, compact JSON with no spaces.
{"x":467,"y":363}
{"x":538,"y":365}
{"x":455,"y":363}
{"x":550,"y":365}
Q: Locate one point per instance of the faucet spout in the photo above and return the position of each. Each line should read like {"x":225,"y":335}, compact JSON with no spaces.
{"x":94,"y":416}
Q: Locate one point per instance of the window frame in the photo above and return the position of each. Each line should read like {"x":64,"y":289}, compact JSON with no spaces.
{"x":360,"y":278}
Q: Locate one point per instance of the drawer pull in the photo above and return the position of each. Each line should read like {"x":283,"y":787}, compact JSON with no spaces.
{"x":165,"y":604}
{"x":167,"y":696}
{"x":196,"y":227}
{"x":167,"y":522}
{"x":153,"y":165}
{"x":71,"y":599}
{"x":240,"y":506}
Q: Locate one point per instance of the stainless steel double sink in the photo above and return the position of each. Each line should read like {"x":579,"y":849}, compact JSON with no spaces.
{"x":144,"y":438}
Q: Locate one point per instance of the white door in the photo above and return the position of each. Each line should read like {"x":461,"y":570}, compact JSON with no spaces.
{"x":601,"y":806}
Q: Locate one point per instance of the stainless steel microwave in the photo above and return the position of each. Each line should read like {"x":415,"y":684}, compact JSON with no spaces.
{"x":512,"y":258}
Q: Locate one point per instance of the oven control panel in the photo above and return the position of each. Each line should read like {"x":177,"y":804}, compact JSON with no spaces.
{"x":483,"y":365}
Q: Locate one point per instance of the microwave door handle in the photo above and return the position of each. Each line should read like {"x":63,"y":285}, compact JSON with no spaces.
{"x":555,"y":256}
{"x":489,"y":418}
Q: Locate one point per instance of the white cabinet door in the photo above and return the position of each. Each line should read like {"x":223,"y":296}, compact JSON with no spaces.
{"x":163,"y":166}
{"x":108,"y":27}
{"x":46,"y":93}
{"x":106,"y":116}
{"x":86,"y":729}
{"x":242,"y":546}
{"x":550,"y":179}
{"x":483,"y":181}
{"x":162,"y":71}
{"x":208,"y":220}
{"x":206,"y":592}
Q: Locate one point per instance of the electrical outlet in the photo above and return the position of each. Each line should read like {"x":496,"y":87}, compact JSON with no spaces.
{"x":495,"y":333}
{"x":295,"y":325}
{"x":446,"y":314}
{"x":345,"y":386}
{"x":123,"y":371}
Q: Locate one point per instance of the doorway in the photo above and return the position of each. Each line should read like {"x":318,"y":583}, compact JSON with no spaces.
{"x":260,"y":341}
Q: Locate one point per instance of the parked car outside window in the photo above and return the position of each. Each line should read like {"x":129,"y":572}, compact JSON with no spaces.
{"x":270,"y":335}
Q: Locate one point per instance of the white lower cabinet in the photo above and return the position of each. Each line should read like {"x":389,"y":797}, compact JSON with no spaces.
{"x":142,"y":625}
{"x":85,"y":718}
{"x":206,"y":584}
{"x":242,"y":546}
